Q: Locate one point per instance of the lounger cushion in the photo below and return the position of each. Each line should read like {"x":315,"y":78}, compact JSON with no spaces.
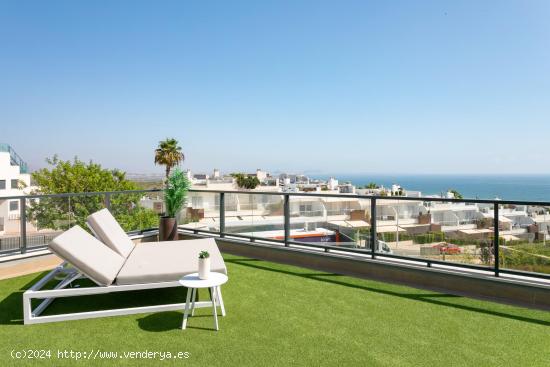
{"x":107,"y":229}
{"x":154,"y":262}
{"x":88,"y":254}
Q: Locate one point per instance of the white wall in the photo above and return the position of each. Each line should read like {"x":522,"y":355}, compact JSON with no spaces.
{"x":8,"y":173}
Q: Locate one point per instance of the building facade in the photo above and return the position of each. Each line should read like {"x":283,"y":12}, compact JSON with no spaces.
{"x":14,"y":180}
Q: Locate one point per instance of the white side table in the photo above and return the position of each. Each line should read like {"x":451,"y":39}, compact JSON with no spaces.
{"x":193,"y":282}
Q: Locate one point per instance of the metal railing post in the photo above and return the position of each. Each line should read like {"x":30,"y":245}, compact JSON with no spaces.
{"x":222,"y":214}
{"x":373,"y":239}
{"x":108,"y":201}
{"x":496,"y":239}
{"x":23,"y":224}
{"x":287,"y":218}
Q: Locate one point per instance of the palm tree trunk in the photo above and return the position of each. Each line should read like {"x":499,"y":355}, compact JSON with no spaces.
{"x":167,"y":172}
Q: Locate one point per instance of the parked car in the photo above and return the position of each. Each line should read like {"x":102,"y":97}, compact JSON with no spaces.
{"x":447,"y":248}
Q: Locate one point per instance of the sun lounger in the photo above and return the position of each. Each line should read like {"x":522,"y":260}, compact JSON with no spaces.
{"x":116,"y":265}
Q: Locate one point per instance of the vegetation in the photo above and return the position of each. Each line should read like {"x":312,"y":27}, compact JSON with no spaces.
{"x":392,"y":236}
{"x":75,"y":177}
{"x":371,"y":323}
{"x":169,"y":154}
{"x":204,"y":255}
{"x":244,"y":181}
{"x":456,"y":194}
{"x":524,"y":256}
{"x":372,"y":185}
{"x":175,"y":193}
{"x":429,"y":237}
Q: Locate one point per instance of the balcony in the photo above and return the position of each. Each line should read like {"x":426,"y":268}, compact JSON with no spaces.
{"x":297,"y":292}
{"x":15,"y":159}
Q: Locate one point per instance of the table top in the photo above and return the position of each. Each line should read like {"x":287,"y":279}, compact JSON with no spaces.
{"x":193,"y":280}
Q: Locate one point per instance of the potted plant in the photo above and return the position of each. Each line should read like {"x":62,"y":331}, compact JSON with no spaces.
{"x":204,"y":264}
{"x":175,"y":197}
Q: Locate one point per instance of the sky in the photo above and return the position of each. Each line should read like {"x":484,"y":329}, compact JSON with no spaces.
{"x":298,"y":86}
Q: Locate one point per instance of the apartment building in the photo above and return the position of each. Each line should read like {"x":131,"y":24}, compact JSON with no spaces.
{"x":14,"y":180}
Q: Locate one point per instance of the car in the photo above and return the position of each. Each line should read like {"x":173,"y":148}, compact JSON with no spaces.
{"x":448,"y":248}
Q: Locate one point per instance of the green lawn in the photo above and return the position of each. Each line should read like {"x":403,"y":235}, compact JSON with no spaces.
{"x":284,"y":315}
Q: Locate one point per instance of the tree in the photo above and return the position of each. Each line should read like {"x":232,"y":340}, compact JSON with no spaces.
{"x":372,"y":185}
{"x":77,"y":177}
{"x":169,"y":154}
{"x":244,"y":181}
{"x":456,"y":194}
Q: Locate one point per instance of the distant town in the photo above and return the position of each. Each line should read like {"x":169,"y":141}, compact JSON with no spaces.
{"x":283,"y":182}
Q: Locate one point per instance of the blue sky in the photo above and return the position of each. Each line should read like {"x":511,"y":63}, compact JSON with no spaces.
{"x":302,"y":86}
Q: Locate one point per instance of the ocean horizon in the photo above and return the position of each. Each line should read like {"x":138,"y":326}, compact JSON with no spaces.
{"x":527,"y":187}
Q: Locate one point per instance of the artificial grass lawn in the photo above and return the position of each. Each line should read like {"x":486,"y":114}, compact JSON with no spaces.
{"x":285,"y":315}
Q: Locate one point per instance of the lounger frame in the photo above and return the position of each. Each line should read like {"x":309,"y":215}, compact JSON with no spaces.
{"x":61,"y":291}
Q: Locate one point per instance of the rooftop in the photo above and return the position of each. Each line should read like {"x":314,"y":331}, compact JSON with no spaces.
{"x":282,"y":314}
{"x":285,"y":315}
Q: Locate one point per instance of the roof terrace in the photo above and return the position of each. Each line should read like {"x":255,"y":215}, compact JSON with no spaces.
{"x":381,"y":293}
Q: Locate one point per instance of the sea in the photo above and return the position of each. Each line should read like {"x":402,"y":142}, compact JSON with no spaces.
{"x":505,"y":187}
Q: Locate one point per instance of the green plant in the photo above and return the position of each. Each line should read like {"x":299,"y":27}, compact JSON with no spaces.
{"x":204,"y":255}
{"x":392,"y":236}
{"x":456,"y":194}
{"x":138,"y":218}
{"x":372,"y":185}
{"x":429,"y":237}
{"x":244,"y":181}
{"x":485,"y":253}
{"x":175,"y":193}
{"x":169,"y":154}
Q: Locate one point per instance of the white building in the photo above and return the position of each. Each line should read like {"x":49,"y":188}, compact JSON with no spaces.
{"x":14,"y":180}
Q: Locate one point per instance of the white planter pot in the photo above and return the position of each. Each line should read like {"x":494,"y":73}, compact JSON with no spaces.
{"x":204,"y":268}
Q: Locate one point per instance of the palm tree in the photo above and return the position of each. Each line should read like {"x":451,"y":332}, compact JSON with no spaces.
{"x":169,"y":154}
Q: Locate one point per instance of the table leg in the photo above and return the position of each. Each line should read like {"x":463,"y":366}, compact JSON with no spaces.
{"x":220,"y":299}
{"x":213,"y":292}
{"x":186,"y":313}
{"x":193,"y":297}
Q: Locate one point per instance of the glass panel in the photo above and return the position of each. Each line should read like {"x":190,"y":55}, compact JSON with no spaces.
{"x":46,"y":218}
{"x":334,"y":221}
{"x":137,"y":212}
{"x":255,"y":215}
{"x":524,"y":241}
{"x":450,"y":232}
{"x":9,"y":227}
{"x":201,"y":212}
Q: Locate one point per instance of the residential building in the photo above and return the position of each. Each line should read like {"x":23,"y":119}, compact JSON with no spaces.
{"x":14,"y":180}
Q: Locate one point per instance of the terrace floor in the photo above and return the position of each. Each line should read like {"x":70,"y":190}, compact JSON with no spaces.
{"x":285,"y":315}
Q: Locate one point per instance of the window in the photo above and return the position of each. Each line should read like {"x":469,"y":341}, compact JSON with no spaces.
{"x":306,"y":208}
{"x":14,"y":205}
{"x":14,"y":184}
{"x":2,"y":184}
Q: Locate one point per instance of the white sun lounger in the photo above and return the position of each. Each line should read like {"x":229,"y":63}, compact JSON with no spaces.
{"x":117,"y":265}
